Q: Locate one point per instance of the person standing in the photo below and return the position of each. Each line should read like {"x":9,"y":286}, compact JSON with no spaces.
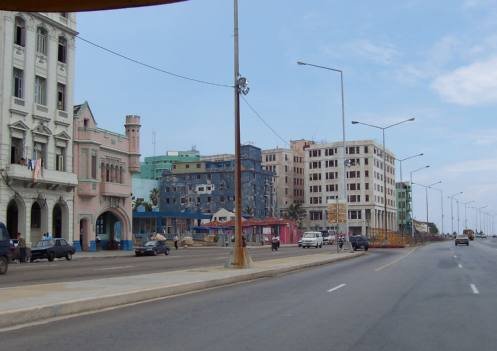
{"x":22,"y":248}
{"x":275,"y":241}
{"x":175,"y":239}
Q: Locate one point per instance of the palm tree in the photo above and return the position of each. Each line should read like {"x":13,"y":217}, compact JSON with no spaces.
{"x":154,"y":196}
{"x":296,"y":212}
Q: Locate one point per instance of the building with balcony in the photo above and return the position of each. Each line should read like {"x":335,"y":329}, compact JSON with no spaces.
{"x":207,"y":186}
{"x":287,"y":166}
{"x":104,"y":162}
{"x":36,"y":123}
{"x":403,"y":195}
{"x":364,"y":181}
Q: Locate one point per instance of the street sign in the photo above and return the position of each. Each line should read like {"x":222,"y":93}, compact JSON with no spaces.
{"x":337,"y":212}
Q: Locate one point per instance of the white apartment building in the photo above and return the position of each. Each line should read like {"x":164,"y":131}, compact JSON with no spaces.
{"x":36,"y":123}
{"x":364,"y":178}
{"x":288,"y":168}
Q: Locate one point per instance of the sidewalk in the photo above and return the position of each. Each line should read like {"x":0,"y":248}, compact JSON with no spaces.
{"x":26,"y":304}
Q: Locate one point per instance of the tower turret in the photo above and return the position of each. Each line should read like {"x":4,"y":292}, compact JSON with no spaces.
{"x":133,"y":133}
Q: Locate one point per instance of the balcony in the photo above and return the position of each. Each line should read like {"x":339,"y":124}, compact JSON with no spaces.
{"x":115,"y":189}
{"x":50,"y":179}
{"x":87,"y":188}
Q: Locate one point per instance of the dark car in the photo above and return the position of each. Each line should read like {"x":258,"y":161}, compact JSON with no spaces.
{"x":4,"y":248}
{"x":359,"y":242}
{"x":153,"y":247}
{"x":462,"y":240}
{"x":52,"y":249}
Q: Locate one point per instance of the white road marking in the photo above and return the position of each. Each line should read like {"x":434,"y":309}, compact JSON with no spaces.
{"x":395,"y":261}
{"x":455,"y":256}
{"x":337,"y":287}
{"x":474,"y":288}
{"x":459,"y":265}
{"x":112,"y":268}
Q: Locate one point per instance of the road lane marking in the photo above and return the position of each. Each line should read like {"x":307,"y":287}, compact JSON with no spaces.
{"x":459,"y":265}
{"x":455,"y":256}
{"x":474,"y":288}
{"x":112,"y":268}
{"x":395,"y":261}
{"x":337,"y":287}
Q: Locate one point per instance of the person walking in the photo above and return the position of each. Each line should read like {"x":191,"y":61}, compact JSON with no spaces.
{"x":22,"y":248}
{"x":175,"y":239}
{"x":275,"y":241}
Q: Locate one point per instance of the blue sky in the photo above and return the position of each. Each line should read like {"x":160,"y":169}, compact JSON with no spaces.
{"x":433,"y":60}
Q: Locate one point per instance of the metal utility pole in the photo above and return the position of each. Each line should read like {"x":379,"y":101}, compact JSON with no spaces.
{"x":239,"y":257}
{"x":405,"y":159}
{"x":427,"y":187}
{"x":343,"y":155}
{"x":466,"y":213}
{"x":452,"y":211}
{"x":412,"y":197}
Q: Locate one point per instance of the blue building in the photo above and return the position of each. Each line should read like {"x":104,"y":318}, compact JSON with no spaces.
{"x":208,"y":185}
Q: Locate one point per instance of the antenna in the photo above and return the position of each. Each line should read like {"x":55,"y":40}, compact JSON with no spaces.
{"x":154,"y":140}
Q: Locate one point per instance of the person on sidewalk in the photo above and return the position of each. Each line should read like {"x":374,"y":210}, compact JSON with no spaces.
{"x":22,"y":248}
{"x":275,"y":242}
{"x":175,"y":239}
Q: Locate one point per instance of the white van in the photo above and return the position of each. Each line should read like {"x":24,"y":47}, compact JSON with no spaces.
{"x":314,"y":239}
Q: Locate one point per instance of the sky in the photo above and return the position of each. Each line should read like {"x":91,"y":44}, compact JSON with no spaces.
{"x":432,"y":60}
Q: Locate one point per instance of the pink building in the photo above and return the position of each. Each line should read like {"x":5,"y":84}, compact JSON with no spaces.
{"x":104,"y":162}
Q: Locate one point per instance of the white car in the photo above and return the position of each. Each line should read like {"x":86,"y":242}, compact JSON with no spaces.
{"x":314,"y":239}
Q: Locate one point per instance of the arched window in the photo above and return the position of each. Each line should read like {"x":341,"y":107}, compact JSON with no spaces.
{"x":41,"y":40}
{"x":62,"y":52}
{"x":20,"y":31}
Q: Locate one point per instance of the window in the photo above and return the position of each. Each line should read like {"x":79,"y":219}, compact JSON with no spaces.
{"x":61,"y":97}
{"x":94,"y":166}
{"x":40,"y":90}
{"x":36,"y":215}
{"x":16,"y":148}
{"x":100,"y":225}
{"x":40,"y":153}
{"x":60,"y":155}
{"x":62,"y":50}
{"x":20,"y":31}
{"x":18,"y":83}
{"x":316,"y":215}
{"x":41,"y":40}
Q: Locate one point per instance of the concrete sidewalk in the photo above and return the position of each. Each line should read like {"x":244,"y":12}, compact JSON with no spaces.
{"x":26,"y":304}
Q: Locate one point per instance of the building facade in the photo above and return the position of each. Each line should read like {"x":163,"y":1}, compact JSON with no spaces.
{"x":104,"y":162}
{"x":207,"y":186}
{"x":36,"y":123}
{"x":287,"y":166}
{"x":364,"y":179}
{"x":403,"y":195}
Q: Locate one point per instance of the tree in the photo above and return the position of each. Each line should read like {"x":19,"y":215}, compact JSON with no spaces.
{"x":296,"y":212}
{"x":154,"y":196}
{"x":138,"y":202}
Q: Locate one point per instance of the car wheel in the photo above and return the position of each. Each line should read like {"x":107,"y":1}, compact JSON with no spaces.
{"x":366,"y":248}
{"x":4,"y":265}
{"x":154,"y":253}
{"x":68,"y":256}
{"x":51,"y":256}
{"x":354,"y":247}
{"x":31,"y":259}
{"x":166,"y":252}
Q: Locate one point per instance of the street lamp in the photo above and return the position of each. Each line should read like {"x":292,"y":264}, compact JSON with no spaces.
{"x":465,"y":213}
{"x":441,"y":206}
{"x":452,"y":210}
{"x":412,"y":197}
{"x":479,"y":216}
{"x":385,"y":222}
{"x":427,"y":201}
{"x":343,"y":182}
{"x":405,"y":159}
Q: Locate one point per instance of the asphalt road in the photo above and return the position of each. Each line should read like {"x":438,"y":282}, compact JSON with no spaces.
{"x":438,"y":297}
{"x":42,"y":271}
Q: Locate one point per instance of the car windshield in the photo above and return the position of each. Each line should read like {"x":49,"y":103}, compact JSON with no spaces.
{"x":309,"y":235}
{"x":44,"y":243}
{"x":151,"y":243}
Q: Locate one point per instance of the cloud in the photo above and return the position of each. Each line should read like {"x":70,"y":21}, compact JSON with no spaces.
{"x":474,"y":84}
{"x":472,"y":166}
{"x":380,"y":53}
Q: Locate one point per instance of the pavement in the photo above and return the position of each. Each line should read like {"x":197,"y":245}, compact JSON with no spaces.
{"x":435,"y":297}
{"x":30,"y":303}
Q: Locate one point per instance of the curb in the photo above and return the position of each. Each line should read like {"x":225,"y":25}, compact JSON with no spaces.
{"x":19,"y":317}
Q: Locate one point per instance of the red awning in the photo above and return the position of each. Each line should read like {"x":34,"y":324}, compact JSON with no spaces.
{"x":75,"y":5}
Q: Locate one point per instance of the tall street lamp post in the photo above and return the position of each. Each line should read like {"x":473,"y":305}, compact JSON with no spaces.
{"x":441,"y":206}
{"x":480,"y":225}
{"x":343,"y":186}
{"x":412,"y":197}
{"x":427,"y":187}
{"x":466,"y":214}
{"x":452,"y":210}
{"x":405,"y":159}
{"x":385,"y":214}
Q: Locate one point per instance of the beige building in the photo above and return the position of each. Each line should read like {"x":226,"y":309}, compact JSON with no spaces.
{"x":288,"y":168}
{"x":364,"y":174}
{"x":36,"y":123}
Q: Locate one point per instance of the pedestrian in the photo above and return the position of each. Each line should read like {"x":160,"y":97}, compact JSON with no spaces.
{"x":175,"y":239}
{"x":22,"y":248}
{"x":244,"y":241}
{"x":275,"y":242}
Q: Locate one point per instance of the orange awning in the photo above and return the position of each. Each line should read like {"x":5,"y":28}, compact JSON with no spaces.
{"x":75,"y":5}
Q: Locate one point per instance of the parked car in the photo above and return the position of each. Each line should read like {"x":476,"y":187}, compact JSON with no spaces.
{"x":300,"y":242}
{"x":153,"y":247}
{"x":52,"y":249}
{"x":359,"y":242}
{"x":462,"y":240}
{"x":4,"y":249}
{"x":314,"y":239}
